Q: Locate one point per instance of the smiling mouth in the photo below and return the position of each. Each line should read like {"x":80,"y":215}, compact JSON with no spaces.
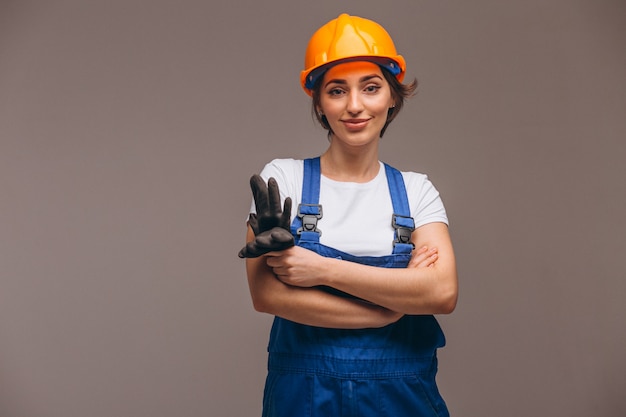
{"x":355,"y":123}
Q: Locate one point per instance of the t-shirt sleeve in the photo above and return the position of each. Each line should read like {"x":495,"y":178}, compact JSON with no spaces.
{"x":424,"y":200}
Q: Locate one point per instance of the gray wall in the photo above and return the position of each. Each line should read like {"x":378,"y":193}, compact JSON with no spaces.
{"x":128,"y":132}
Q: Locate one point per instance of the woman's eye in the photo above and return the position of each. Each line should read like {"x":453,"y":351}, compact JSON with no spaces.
{"x":335,"y":91}
{"x":372,"y":88}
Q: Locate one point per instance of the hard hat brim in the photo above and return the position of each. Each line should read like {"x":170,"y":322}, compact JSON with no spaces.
{"x":395,"y":65}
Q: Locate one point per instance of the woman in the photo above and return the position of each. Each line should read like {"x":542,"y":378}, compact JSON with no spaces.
{"x":353,"y":300}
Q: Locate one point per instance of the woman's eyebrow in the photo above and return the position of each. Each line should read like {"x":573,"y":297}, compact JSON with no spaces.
{"x":363,"y":79}
{"x":369,"y":77}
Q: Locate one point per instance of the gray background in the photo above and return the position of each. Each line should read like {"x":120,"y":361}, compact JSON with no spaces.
{"x":128,"y":132}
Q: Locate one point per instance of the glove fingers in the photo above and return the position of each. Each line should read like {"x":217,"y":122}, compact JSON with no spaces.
{"x":285,"y":218}
{"x":247,"y":252}
{"x":260,"y":194}
{"x":275,"y":239}
{"x":252,"y":250}
{"x":266,"y":240}
{"x":274,"y":196}
{"x":281,"y":237}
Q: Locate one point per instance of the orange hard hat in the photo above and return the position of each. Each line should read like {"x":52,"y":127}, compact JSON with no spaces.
{"x":349,"y":38}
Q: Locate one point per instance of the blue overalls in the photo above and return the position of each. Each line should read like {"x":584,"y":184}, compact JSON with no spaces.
{"x":383,"y":372}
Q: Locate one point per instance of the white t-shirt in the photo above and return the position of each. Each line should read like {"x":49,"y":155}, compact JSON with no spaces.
{"x":357,"y":216}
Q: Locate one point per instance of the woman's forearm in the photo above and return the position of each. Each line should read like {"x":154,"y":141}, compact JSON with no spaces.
{"x":311,"y":306}
{"x":412,"y":290}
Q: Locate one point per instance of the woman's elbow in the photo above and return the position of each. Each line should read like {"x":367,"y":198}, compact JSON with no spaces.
{"x":443,"y":301}
{"x":261,"y":283}
{"x":445,"y":294}
{"x":447,"y":304}
{"x":448,"y":296}
{"x":265,"y":301}
{"x":260,"y":303}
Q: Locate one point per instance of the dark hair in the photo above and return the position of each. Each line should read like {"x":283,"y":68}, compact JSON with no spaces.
{"x":399,"y":92}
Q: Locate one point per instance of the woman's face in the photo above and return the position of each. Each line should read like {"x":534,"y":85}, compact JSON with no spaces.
{"x":355,"y":98}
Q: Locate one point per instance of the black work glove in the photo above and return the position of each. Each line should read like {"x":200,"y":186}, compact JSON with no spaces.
{"x":270,"y":224}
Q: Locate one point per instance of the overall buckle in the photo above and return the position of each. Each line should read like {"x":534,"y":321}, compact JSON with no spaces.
{"x":309,"y":214}
{"x":404,"y":227}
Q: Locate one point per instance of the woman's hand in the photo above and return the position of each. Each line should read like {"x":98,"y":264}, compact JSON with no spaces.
{"x":301,"y":267}
{"x":423,"y":257}
{"x":297,"y":266}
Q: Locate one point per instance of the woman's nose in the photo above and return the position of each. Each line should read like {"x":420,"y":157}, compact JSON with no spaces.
{"x":355,"y":105}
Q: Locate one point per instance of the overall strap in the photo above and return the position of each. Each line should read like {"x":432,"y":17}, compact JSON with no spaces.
{"x":304,"y":225}
{"x":401,"y":220}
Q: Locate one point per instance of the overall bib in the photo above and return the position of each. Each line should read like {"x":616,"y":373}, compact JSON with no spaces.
{"x":383,"y":372}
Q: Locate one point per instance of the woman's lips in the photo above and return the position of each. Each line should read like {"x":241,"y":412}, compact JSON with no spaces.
{"x":354,"y":124}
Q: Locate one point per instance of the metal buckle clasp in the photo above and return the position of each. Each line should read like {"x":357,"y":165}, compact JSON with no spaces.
{"x":404,"y":227}
{"x":309,"y":214}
